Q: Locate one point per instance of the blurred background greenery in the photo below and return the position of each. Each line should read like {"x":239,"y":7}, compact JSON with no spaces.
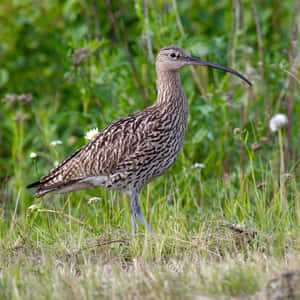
{"x":69,"y":66}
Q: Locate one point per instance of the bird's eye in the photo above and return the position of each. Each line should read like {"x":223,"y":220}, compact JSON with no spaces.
{"x":173,"y":54}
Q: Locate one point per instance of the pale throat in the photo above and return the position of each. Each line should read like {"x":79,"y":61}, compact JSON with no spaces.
{"x":169,"y":87}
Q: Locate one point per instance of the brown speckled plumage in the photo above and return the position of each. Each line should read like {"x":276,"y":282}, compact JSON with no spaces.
{"x":132,"y":151}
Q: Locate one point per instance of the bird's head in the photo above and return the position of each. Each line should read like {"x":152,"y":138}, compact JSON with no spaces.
{"x":173,"y":58}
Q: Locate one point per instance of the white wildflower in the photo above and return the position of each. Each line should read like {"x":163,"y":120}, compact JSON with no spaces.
{"x":277,"y":122}
{"x":32,"y":208}
{"x":56,"y":163}
{"x":198,"y":165}
{"x":249,"y":50}
{"x":210,"y":136}
{"x":236,"y":131}
{"x":55,"y":143}
{"x":94,"y":199}
{"x":33,"y":155}
{"x":250,"y":70}
{"x":91,"y":133}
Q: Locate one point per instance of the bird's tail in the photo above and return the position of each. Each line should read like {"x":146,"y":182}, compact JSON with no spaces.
{"x":44,"y":187}
{"x":41,"y":188}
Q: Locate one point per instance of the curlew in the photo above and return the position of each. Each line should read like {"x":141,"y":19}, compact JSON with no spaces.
{"x":133,"y":151}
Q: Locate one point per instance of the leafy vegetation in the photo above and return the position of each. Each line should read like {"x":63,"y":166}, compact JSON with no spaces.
{"x":226,"y":216}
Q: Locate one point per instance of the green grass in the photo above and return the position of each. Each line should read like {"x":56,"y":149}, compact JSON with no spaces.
{"x":230,"y":229}
{"x":66,"y":248}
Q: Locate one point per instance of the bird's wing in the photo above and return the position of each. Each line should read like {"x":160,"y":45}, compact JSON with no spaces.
{"x":110,"y":151}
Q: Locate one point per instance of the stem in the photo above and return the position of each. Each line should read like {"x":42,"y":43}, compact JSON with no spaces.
{"x":194,"y":72}
{"x":244,"y":108}
{"x":282,"y":183}
{"x":124,"y":41}
{"x":281,"y":151}
{"x":261,"y":58}
{"x":292,"y":86}
{"x":131,"y":62}
{"x":147,"y":30}
{"x":96,"y":20}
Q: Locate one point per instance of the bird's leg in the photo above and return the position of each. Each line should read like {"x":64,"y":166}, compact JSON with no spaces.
{"x":133,"y":214}
{"x":142,"y":219}
{"x":136,"y":211}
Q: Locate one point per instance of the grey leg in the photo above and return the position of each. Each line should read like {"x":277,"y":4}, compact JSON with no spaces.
{"x":136,"y":211}
{"x":133,"y":215}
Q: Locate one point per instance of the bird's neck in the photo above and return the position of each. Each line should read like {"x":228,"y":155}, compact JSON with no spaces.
{"x":169,"y":89}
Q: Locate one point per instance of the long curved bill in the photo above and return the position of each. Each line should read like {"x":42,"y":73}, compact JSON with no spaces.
{"x":195,"y":61}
